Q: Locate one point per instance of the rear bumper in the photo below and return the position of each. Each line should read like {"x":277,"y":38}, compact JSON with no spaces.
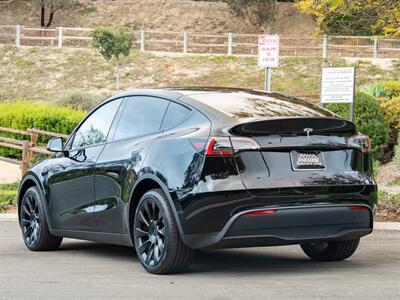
{"x":289,"y":225}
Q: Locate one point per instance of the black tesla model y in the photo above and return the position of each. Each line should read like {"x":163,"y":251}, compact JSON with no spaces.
{"x":170,"y":171}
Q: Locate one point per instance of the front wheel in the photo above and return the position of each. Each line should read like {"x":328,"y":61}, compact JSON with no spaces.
{"x":33,"y":223}
{"x":331,"y":251}
{"x":158,"y":244}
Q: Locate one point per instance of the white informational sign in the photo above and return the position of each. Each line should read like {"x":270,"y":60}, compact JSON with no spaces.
{"x":268,"y":51}
{"x":338,"y":85}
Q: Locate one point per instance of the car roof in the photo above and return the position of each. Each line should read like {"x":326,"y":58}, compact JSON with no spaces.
{"x":232,"y":105}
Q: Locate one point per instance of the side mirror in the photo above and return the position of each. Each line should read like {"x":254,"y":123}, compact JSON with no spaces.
{"x":55,"y":145}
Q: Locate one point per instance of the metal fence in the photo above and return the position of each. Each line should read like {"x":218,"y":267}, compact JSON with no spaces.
{"x":200,"y":43}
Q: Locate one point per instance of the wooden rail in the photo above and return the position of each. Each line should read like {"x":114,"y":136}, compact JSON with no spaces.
{"x":28,"y":147}
{"x":213,"y":44}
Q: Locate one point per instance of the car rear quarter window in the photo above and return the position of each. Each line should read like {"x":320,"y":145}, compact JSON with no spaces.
{"x":175,"y":115}
{"x":141,"y":115}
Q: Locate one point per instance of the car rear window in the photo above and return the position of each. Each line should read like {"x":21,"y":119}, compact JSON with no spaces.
{"x":175,"y":115}
{"x":242,"y":105}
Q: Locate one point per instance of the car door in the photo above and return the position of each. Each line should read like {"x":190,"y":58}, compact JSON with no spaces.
{"x":119,"y":164}
{"x":71,"y":178}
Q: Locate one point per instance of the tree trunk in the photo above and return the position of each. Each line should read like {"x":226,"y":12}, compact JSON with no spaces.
{"x":42,"y":14}
{"x":50,"y":19}
{"x":117,"y":73}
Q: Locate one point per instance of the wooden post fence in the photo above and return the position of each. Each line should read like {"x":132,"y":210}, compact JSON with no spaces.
{"x":28,"y":147}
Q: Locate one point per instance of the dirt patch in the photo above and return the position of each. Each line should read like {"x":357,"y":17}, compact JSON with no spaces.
{"x":387,"y":173}
{"x":192,"y":16}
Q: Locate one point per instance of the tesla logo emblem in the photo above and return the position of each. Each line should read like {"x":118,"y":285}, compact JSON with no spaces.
{"x":308,"y":131}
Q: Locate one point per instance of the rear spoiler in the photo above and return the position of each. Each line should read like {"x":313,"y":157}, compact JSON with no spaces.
{"x":295,"y":126}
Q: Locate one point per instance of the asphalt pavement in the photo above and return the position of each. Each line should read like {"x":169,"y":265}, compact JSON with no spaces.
{"x":86,"y":270}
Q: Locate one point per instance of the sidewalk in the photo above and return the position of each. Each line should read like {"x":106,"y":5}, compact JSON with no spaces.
{"x":9,"y":172}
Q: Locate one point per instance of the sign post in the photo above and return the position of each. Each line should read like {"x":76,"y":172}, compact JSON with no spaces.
{"x":338,"y":86}
{"x":268,"y":56}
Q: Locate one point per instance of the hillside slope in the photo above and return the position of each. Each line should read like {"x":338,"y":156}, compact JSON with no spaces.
{"x":45,"y":74}
{"x":192,"y":16}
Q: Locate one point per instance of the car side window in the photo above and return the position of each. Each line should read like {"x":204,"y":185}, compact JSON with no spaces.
{"x":175,"y":115}
{"x":96,"y":127}
{"x":141,"y":115}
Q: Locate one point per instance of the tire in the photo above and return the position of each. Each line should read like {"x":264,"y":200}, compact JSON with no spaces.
{"x":33,"y":223}
{"x":158,"y":244}
{"x":331,"y":251}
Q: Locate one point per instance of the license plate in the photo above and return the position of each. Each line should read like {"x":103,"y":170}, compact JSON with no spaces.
{"x":307,"y":160}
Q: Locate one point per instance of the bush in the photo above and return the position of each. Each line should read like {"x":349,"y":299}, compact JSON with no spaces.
{"x":397,"y":155}
{"x":369,"y":119}
{"x":8,"y":195}
{"x":23,"y":115}
{"x":388,"y":206}
{"x":256,"y":11}
{"x":393,"y":86}
{"x":79,"y":100}
{"x":376,"y":90}
{"x":391,"y":109}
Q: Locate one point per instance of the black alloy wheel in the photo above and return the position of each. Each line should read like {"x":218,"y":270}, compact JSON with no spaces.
{"x":158,"y":244}
{"x":33,"y":223}
{"x":30,"y":220}
{"x":150,"y":232}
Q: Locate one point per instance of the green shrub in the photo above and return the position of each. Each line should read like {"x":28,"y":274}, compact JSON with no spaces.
{"x":8,"y":195}
{"x":23,"y":115}
{"x":397,"y":155}
{"x":391,"y":108}
{"x":393,"y":86}
{"x":385,"y":197}
{"x":376,"y":90}
{"x":369,"y":119}
{"x":79,"y":100}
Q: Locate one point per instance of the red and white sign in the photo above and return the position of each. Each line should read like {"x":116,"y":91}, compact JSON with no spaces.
{"x":268,"y":51}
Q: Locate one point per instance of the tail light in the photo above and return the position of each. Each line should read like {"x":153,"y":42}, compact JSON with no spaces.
{"x":220,"y":146}
{"x":260,"y":213}
{"x":361,"y":142}
{"x":358,"y":207}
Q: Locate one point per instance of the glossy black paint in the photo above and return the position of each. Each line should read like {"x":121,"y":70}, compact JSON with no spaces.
{"x":92,"y":192}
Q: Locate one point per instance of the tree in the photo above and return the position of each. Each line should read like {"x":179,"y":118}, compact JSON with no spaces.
{"x":354,"y":17}
{"x":259,"y":12}
{"x":52,"y":6}
{"x":112,"y":43}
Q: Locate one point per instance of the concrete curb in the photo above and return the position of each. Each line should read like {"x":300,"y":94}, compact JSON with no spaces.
{"x":377,"y":225}
{"x":387,"y":226}
{"x":8,"y":217}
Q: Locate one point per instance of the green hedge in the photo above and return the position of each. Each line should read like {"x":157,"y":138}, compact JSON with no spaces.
{"x":8,"y":195}
{"x":369,"y":119}
{"x":23,"y":115}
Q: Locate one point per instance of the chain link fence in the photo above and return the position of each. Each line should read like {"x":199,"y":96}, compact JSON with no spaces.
{"x":213,"y":44}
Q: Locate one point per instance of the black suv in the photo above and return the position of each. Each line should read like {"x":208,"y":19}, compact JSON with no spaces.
{"x":173,"y":170}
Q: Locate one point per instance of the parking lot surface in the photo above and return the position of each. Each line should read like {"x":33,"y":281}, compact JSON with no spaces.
{"x":86,"y":270}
